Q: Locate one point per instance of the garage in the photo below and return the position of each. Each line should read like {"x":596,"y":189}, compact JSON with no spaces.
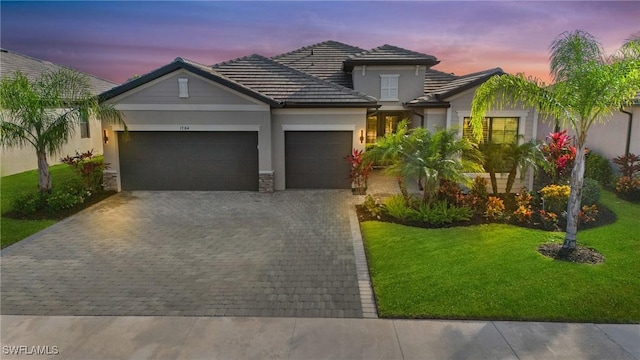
{"x":316,"y":159}
{"x":166,"y":160}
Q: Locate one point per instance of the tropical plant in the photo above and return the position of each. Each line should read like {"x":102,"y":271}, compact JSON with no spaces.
{"x":588,"y":86}
{"x":628,"y":164}
{"x":43,"y":112}
{"x":598,"y":168}
{"x":560,"y":155}
{"x":440,"y":155}
{"x":88,"y":168}
{"x":360,"y":170}
{"x":391,"y":150}
{"x":494,"y":160}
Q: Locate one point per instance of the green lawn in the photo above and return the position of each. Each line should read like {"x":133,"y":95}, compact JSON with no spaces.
{"x":12,"y":230}
{"x":495,"y":272}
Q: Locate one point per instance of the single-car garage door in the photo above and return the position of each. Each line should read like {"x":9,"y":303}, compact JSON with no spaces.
{"x":189,"y":160}
{"x":316,"y":159}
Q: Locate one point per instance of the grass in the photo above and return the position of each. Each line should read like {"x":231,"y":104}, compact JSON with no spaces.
{"x":495,"y":272}
{"x":12,"y":186}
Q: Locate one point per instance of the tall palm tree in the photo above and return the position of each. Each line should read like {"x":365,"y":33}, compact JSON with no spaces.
{"x":587,"y":87}
{"x":391,"y":150}
{"x":43,"y":113}
{"x":440,"y":155}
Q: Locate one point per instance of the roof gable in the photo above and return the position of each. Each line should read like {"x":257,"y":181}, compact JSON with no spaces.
{"x":389,"y":55}
{"x":33,"y":68}
{"x":289,"y":86}
{"x":193,"y":67}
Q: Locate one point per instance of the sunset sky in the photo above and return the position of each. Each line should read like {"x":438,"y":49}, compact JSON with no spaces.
{"x":116,"y":40}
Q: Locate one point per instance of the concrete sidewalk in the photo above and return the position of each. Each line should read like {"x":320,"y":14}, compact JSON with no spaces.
{"x":309,"y":338}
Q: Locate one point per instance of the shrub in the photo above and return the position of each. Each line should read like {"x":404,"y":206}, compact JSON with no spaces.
{"x":549,"y":219}
{"x":555,"y":198}
{"x":450,"y":192}
{"x":590,"y":192}
{"x":479,"y":187}
{"x":495,"y":209}
{"x":89,"y":168}
{"x":524,"y":211}
{"x":440,"y":213}
{"x":29,"y":203}
{"x":628,"y":188}
{"x":598,"y":167}
{"x":360,"y":169}
{"x":588,"y":214}
{"x":629,"y":165}
{"x":373,"y":206}
{"x":62,"y":200}
{"x":397,"y":207}
{"x":559,"y":154}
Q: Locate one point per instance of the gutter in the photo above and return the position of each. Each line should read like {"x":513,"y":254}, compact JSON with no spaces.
{"x":629,"y":127}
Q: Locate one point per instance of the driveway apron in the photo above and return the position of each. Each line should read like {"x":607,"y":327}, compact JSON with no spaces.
{"x":190,"y":253}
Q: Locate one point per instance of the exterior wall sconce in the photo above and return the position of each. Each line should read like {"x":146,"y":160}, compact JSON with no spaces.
{"x":105,"y":137}
{"x":361,"y":136}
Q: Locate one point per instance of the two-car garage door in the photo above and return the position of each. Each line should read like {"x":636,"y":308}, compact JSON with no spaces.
{"x":207,"y":160}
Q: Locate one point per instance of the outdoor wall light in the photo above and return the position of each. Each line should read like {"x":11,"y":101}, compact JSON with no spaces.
{"x":361,"y":136}
{"x":105,"y":137}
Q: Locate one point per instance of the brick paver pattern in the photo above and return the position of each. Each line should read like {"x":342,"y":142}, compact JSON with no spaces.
{"x":191,"y":254}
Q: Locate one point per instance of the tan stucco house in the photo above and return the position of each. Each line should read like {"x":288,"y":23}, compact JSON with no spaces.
{"x":87,"y":134}
{"x":258,"y":123}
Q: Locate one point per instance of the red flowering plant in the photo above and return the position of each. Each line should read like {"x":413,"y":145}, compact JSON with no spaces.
{"x":559,"y":154}
{"x":359,"y":172}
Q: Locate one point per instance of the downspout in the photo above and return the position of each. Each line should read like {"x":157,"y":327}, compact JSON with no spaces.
{"x":421,"y":117}
{"x":630,"y":126}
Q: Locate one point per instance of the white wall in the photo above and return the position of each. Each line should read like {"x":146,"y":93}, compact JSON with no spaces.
{"x":17,"y":160}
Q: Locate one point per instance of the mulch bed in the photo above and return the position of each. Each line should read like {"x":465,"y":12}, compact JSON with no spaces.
{"x":581,"y":254}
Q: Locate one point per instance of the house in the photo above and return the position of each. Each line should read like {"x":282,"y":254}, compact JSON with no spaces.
{"x":88,"y":134}
{"x":289,"y":121}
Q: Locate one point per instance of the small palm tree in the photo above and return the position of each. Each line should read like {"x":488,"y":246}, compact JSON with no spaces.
{"x":391,"y":150}
{"x":437,"y":156}
{"x":494,"y":160}
{"x":43,"y":113}
{"x":522,"y":157}
{"x":588,"y":87}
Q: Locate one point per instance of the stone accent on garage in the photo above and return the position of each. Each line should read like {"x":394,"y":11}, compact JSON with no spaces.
{"x":265,"y":181}
{"x":110,"y":180}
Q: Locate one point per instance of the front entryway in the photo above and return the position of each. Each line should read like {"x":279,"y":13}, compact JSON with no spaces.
{"x":317,"y":159}
{"x":206,"y":160}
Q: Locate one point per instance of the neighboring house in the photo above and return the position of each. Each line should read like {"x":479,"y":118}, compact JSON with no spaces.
{"x":88,"y":134}
{"x":621,"y":134}
{"x":289,"y":121}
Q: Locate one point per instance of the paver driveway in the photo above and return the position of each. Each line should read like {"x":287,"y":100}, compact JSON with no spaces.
{"x":190,"y":253}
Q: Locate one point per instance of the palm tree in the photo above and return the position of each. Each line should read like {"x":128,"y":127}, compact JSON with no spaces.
{"x":437,"y":156}
{"x":43,"y":113}
{"x":494,"y":160}
{"x":587,"y":87}
{"x":390,"y":150}
{"x":522,"y":157}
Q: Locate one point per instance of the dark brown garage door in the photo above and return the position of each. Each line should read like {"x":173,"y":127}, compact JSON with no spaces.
{"x":189,"y":160}
{"x":316,"y":159}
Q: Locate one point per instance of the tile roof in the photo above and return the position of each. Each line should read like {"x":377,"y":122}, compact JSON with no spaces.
{"x":389,"y":55}
{"x":438,"y":86}
{"x":32,"y":68}
{"x":288,"y":85}
{"x":323,"y":60}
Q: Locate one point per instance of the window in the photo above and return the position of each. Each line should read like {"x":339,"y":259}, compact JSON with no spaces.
{"x":495,"y":130}
{"x":381,"y":123}
{"x":389,"y":87}
{"x":183,"y":87}
{"x":84,"y":124}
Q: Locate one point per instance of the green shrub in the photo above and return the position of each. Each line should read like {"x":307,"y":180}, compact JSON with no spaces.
{"x":29,"y":203}
{"x":440,"y":213}
{"x":598,"y":167}
{"x":373,"y":207}
{"x":62,"y":200}
{"x":590,"y":192}
{"x":397,"y":207}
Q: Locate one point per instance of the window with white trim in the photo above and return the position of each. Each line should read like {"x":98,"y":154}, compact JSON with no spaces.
{"x":183,"y":87}
{"x":389,"y":87}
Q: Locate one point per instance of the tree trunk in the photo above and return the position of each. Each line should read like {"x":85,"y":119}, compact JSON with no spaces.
{"x":44,"y":178}
{"x":511,"y":179}
{"x":494,"y":181}
{"x":403,"y":189}
{"x":573,"y":206}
